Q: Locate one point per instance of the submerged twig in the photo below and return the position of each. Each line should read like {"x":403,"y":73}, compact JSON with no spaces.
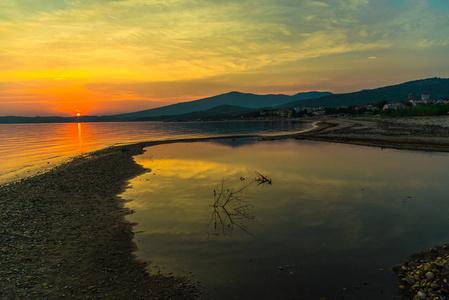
{"x":262,"y":179}
{"x":230,"y":208}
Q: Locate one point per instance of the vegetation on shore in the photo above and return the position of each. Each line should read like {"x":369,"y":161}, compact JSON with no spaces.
{"x":418,"y":111}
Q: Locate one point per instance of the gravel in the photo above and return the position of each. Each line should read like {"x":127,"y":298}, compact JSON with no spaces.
{"x":64,"y":234}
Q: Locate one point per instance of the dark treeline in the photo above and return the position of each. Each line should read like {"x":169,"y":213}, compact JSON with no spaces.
{"x":418,"y":111}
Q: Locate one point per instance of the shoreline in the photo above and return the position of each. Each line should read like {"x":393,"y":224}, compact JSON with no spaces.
{"x":64,"y":232}
{"x":420,"y":134}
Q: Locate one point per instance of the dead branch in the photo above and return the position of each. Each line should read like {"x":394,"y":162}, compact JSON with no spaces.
{"x":230,"y":208}
{"x":262,"y":179}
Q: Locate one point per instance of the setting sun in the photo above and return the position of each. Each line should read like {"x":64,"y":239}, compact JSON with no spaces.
{"x":78,"y":114}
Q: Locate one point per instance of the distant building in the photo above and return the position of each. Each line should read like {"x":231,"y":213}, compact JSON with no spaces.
{"x":418,"y":102}
{"x":425,"y":99}
{"x":442,"y":101}
{"x":319,"y":113}
{"x":394,"y":106}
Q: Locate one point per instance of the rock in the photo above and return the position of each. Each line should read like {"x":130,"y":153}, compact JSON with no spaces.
{"x":430,"y":275}
{"x":421,"y":295}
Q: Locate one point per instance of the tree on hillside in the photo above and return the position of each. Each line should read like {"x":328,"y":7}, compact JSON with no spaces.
{"x":381,"y":104}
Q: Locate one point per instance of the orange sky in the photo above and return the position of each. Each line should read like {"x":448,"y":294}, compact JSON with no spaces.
{"x":109,"y":56}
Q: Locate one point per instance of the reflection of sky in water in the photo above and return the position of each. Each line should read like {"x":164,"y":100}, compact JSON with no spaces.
{"x":334,"y":216}
{"x":26,"y":149}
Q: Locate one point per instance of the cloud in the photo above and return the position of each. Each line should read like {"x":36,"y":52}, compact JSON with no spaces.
{"x":183,"y":90}
{"x":179,"y":40}
{"x":158,"y":43}
{"x":426,"y":44}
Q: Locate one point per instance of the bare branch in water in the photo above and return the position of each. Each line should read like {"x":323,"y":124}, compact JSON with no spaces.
{"x":262,"y":179}
{"x":231,"y":209}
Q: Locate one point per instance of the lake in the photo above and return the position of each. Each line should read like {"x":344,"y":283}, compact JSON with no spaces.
{"x":26,"y":149}
{"x":288,"y":219}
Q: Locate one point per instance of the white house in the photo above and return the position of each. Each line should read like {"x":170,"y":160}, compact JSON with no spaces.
{"x":425,"y":99}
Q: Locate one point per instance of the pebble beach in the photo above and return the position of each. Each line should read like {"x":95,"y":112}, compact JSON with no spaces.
{"x":64,"y":234}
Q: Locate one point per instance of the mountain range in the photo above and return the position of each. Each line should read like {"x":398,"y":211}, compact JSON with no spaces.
{"x":234,"y":104}
{"x":236,"y":99}
{"x":437,"y":87}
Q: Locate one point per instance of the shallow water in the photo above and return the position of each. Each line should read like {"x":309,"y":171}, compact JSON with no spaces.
{"x":333,"y":222}
{"x":26,"y":149}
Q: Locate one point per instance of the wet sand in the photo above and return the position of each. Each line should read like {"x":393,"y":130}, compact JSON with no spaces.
{"x":64,"y":232}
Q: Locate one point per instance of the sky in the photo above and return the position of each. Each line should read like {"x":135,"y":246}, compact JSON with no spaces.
{"x":101,"y":57}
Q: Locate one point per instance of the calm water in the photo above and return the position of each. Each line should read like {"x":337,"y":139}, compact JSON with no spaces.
{"x":333,"y":222}
{"x":29,"y":148}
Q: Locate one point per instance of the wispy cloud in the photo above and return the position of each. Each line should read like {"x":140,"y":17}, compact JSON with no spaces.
{"x":108,"y":41}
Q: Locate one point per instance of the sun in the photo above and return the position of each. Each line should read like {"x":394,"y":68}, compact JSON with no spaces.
{"x":78,"y":114}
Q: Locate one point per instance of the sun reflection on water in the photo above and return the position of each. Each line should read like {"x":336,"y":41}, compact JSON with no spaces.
{"x":80,"y":139}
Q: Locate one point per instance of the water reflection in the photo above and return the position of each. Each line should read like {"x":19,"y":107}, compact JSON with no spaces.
{"x":30,"y":146}
{"x":337,"y":213}
{"x":35,"y":148}
{"x":235,"y":142}
{"x":80,"y":139}
{"x":231,"y":207}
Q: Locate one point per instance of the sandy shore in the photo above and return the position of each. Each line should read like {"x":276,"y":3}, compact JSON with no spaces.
{"x":64,"y":233}
{"x":424,"y":134}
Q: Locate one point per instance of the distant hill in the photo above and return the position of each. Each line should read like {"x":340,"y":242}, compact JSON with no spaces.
{"x":234,"y":104}
{"x":233,"y":99}
{"x":357,"y":98}
{"x":218,"y":112}
{"x":437,"y":87}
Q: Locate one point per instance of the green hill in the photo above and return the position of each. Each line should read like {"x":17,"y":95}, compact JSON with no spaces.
{"x":437,"y":87}
{"x":219,"y":112}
